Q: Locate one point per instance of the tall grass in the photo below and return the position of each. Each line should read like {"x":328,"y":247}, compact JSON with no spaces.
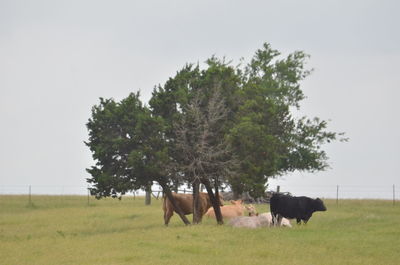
{"x":66,"y":230}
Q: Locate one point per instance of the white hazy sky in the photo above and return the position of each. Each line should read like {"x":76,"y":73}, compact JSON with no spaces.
{"x":58,"y":57}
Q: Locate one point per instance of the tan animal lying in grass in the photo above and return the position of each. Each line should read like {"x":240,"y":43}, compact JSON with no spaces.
{"x":230,"y":211}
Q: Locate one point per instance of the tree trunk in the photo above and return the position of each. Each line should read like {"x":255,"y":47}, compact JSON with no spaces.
{"x":196,"y":202}
{"x":236,"y":194}
{"x":178,"y":210}
{"x":217,"y":199}
{"x":148,"y":195}
{"x":214,"y":200}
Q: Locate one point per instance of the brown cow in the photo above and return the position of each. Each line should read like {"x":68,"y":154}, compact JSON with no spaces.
{"x":185,"y":202}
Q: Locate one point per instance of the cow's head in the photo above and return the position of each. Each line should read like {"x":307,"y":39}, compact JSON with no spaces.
{"x":319,"y":205}
{"x":238,"y":202}
{"x":251,"y":209}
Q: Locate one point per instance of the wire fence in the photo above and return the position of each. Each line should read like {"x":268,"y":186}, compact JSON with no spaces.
{"x":344,"y":191}
{"x":43,"y":190}
{"x":387,"y":192}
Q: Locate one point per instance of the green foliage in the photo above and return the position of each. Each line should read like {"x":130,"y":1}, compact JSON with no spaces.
{"x":264,"y":135}
{"x":174,"y":103}
{"x":126,"y":142}
{"x":259,"y":127}
{"x":268,"y":139}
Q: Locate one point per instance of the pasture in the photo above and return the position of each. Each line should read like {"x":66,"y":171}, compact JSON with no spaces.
{"x":66,"y":230}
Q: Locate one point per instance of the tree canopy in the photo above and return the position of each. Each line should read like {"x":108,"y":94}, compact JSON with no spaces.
{"x":224,"y":125}
{"x":127,"y":144}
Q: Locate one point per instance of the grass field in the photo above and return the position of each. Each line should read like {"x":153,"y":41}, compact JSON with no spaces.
{"x":66,"y":230}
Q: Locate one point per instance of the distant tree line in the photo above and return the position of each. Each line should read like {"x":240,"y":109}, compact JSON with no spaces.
{"x":221,"y":126}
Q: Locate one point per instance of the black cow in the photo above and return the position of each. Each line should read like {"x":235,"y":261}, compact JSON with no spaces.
{"x":299,"y":208}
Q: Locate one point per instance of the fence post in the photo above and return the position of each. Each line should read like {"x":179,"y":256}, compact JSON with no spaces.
{"x":394,"y":192}
{"x":30,"y":196}
{"x":88,"y":195}
{"x":147,"y":200}
{"x":337,"y":195}
{"x":278,"y":189}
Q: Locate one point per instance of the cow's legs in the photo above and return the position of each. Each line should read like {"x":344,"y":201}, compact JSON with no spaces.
{"x":279,"y":221}
{"x":273,"y":219}
{"x":276,"y":219}
{"x":298,"y":221}
{"x":167,"y":216}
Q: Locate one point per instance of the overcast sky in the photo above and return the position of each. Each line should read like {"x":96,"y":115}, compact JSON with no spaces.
{"x":58,"y":57}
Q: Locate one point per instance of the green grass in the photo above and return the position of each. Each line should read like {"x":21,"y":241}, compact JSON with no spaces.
{"x":66,"y":230}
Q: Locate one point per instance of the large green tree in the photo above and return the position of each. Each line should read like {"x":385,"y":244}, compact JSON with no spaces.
{"x":205,"y":155}
{"x":115,"y":135}
{"x":134,"y":145}
{"x":187,"y":102}
{"x":128,"y":145}
{"x":261,"y":97}
{"x":269,"y":140}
